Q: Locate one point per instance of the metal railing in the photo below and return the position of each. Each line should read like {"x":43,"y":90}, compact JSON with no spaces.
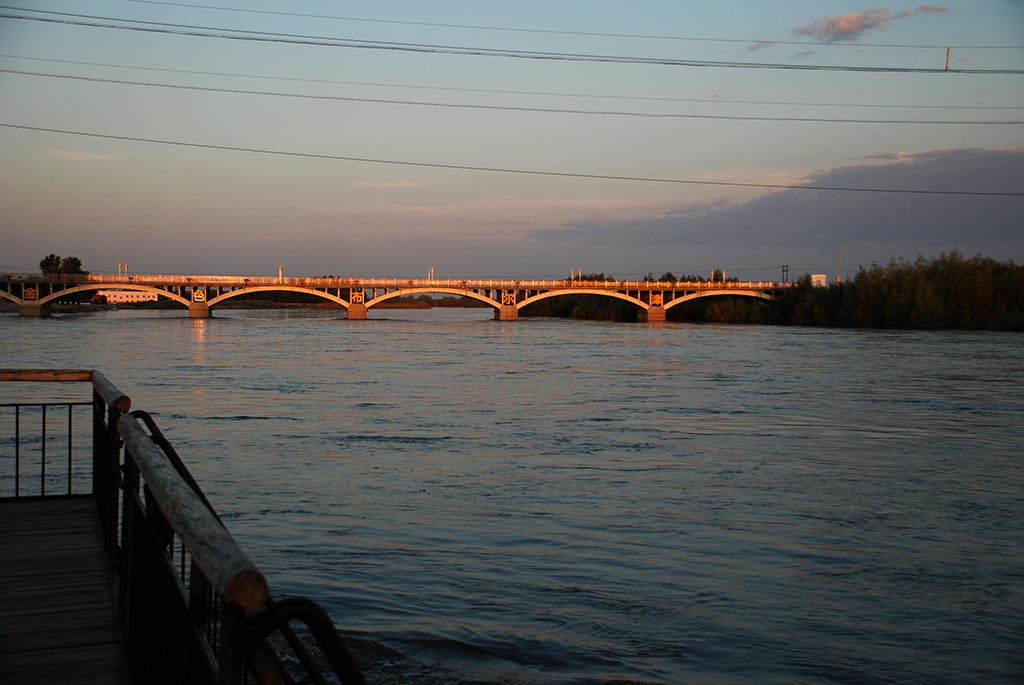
{"x":192,"y":606}
{"x":36,"y":449}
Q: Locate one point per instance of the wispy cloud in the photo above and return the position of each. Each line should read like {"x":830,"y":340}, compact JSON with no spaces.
{"x":80,"y":156}
{"x":853,"y":25}
{"x":760,"y":45}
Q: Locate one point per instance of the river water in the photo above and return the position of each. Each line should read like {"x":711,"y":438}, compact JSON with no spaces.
{"x":549,"y":501}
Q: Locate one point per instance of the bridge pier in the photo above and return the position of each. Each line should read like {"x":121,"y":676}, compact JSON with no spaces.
{"x":33,"y":310}
{"x":656,"y":314}
{"x":199,"y":310}
{"x":356,"y":312}
{"x":507,"y":312}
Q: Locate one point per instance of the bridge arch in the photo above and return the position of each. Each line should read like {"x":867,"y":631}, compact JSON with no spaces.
{"x":583,"y":291}
{"x":755,"y":294}
{"x":445,"y":291}
{"x":277,"y":289}
{"x":7,"y":296}
{"x":110,"y":286}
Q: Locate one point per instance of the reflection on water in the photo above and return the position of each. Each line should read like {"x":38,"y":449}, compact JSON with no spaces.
{"x":560,"y":501}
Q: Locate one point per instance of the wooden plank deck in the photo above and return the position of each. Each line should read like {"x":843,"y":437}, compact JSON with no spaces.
{"x":57,"y":616}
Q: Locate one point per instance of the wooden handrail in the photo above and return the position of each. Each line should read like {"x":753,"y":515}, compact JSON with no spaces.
{"x":107,"y":390}
{"x":45,"y":375}
{"x":228,"y":568}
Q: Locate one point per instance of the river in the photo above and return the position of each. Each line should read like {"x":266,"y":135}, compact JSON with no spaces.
{"x":549,"y":501}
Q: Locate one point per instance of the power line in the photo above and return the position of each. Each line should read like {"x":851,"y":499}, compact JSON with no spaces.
{"x":168,"y":28}
{"x":508,"y":108}
{"x":377,"y":84}
{"x":506,"y":170}
{"x":562,"y":32}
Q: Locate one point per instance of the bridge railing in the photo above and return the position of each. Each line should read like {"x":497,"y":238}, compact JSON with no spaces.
{"x":400,"y":282}
{"x":193,"y":607}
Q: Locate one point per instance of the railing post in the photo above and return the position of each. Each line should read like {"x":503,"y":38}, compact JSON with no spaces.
{"x":106,"y":471}
{"x":126,"y":565}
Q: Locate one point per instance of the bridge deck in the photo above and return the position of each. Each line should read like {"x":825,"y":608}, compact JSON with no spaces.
{"x":57,"y":616}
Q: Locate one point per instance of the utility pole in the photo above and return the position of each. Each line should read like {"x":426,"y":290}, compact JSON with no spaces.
{"x":785,"y":273}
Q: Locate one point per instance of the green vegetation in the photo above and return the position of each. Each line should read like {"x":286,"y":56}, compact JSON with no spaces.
{"x":429,"y":301}
{"x":717,"y":276}
{"x":593,"y":307}
{"x":271,"y":299}
{"x":55,"y":264}
{"x":949,"y":291}
{"x":945,"y":292}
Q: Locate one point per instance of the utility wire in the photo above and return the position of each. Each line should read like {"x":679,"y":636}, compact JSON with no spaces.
{"x":168,"y":28}
{"x":596,"y":96}
{"x":509,"y":108}
{"x":556,"y":32}
{"x":506,"y":170}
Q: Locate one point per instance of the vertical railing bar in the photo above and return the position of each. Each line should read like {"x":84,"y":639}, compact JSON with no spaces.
{"x":70,"y":439}
{"x":42,"y":460}
{"x":17,"y":450}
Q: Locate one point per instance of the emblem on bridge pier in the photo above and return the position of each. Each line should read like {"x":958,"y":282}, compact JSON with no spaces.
{"x":30,"y":293}
{"x":357,"y":297}
{"x":656,"y":299}
{"x":508,"y":298}
{"x":199,"y":294}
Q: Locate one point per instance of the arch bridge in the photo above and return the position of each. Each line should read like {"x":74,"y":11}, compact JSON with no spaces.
{"x":200,"y":294}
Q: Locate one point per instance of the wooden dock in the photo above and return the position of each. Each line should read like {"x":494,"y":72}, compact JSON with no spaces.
{"x":57,"y":617}
{"x":211,"y":621}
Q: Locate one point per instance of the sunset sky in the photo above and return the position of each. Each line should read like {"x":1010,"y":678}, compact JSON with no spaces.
{"x":374,"y":139}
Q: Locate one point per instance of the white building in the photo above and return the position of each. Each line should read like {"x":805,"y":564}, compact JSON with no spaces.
{"x":819,"y":280}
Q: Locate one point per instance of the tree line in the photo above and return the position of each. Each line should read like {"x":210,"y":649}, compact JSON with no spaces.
{"x":948,"y":291}
{"x":55,"y":264}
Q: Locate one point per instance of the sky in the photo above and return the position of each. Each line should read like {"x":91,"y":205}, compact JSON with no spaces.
{"x":377,"y":139}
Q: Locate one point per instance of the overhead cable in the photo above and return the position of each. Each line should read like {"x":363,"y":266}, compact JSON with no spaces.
{"x":510,"y":108}
{"x":496,"y":91}
{"x":563,"y":32}
{"x":168,"y":28}
{"x":506,"y":170}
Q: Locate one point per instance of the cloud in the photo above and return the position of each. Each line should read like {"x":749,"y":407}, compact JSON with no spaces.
{"x":80,"y":156}
{"x":760,"y":45}
{"x":852,"y":25}
{"x":823,"y":219}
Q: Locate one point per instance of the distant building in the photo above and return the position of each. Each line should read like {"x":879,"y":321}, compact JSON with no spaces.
{"x":123,"y":296}
{"x":819,"y":280}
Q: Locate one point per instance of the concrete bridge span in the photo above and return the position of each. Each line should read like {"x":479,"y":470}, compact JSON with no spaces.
{"x":200,"y":294}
